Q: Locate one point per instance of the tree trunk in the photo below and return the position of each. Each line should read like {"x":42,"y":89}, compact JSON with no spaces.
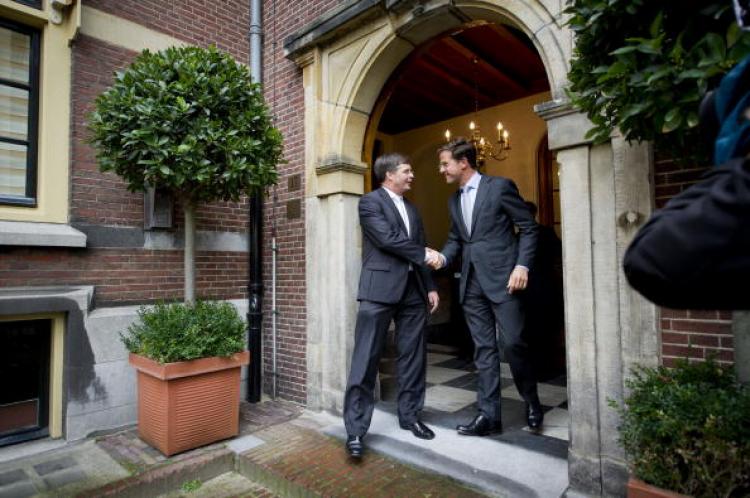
{"x":189,"y":252}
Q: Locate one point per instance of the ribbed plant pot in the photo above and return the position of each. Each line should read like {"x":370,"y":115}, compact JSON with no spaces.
{"x":187,"y":404}
{"x":639,"y":489}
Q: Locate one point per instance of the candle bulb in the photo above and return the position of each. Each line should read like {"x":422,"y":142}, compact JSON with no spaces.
{"x":506,"y":139}
{"x":447,"y":135}
{"x":471,"y":126}
{"x":499,"y":131}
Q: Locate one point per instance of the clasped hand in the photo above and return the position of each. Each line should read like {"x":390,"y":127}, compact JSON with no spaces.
{"x":434,"y":259}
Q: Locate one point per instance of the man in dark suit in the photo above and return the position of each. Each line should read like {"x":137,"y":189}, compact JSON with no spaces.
{"x":495,"y":268}
{"x":395,"y":284}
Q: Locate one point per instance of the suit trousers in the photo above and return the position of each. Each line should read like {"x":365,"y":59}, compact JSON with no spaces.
{"x":373,"y":320}
{"x":481,"y":315}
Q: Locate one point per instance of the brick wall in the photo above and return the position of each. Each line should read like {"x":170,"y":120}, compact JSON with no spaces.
{"x":284,"y":93}
{"x":126,"y":276}
{"x":134,"y":275}
{"x":689,"y":333}
{"x":199,"y":22}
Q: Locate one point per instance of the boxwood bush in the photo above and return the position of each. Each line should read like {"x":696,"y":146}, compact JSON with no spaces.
{"x":687,"y":429}
{"x":177,"y":332}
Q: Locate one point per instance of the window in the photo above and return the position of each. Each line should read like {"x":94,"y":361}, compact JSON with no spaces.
{"x":19,"y":98}
{"x":37,"y":4}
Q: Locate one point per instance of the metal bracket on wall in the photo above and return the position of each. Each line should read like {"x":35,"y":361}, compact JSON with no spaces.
{"x":57,"y":8}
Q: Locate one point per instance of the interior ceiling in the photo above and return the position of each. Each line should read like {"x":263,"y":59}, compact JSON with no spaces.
{"x":437,"y":81}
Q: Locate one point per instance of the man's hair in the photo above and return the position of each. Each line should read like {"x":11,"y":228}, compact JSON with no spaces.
{"x":388,"y":162}
{"x":460,"y":148}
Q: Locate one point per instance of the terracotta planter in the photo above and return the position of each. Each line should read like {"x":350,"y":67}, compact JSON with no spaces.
{"x":188,"y":404}
{"x":639,"y":489}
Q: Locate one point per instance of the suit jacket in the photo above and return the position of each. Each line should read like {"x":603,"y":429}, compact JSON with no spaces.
{"x":694,"y":250}
{"x":388,"y":250}
{"x":492,"y":247}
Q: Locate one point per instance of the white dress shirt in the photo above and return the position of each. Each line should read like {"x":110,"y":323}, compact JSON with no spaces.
{"x":398,"y":200}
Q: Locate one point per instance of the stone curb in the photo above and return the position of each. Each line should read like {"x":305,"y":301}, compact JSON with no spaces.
{"x":270,"y":480}
{"x":168,"y":477}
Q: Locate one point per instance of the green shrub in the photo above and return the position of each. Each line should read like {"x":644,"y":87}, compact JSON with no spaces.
{"x":178,"y":332}
{"x":643,"y":66}
{"x":189,"y":120}
{"x":687,"y":429}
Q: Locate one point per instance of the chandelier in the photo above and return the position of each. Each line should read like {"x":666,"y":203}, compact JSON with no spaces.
{"x":486,"y":149}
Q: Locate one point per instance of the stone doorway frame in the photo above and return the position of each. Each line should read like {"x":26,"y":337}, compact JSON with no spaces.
{"x":346,"y":58}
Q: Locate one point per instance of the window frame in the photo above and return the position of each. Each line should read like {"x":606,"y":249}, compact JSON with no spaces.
{"x":32,"y":138}
{"x":36,"y":4}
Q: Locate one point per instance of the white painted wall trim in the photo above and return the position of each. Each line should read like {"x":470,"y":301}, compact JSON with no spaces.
{"x":123,"y":33}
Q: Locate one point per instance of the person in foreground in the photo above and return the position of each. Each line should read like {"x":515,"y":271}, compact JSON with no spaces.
{"x":689,"y":252}
{"x":395,"y":284}
{"x":495,"y":269}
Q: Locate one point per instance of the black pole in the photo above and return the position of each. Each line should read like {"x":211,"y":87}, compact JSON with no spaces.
{"x":255,"y":280}
{"x":255,"y":297}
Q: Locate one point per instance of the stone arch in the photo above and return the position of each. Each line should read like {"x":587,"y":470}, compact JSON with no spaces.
{"x":347,"y":59}
{"x":392,"y":43}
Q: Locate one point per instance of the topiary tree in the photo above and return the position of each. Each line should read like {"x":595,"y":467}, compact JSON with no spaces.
{"x":188,"y":120}
{"x":643,"y":66}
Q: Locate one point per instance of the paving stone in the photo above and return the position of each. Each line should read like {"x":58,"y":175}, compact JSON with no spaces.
{"x":20,"y":489}
{"x":55,"y":465}
{"x":64,"y":477}
{"x":13,"y":476}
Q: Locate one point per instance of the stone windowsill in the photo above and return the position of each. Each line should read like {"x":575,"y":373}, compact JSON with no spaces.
{"x":21,"y":233}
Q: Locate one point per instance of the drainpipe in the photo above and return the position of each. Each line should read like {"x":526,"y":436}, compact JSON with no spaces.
{"x":255,"y":281}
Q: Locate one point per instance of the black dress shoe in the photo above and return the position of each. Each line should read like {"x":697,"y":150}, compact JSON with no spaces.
{"x":418,"y":429}
{"x":480,"y":426}
{"x":534,"y":416}
{"x":354,"y":446}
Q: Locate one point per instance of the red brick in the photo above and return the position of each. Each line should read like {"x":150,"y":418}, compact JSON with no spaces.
{"x":670,"y":313}
{"x":682,"y":351}
{"x":706,"y":327}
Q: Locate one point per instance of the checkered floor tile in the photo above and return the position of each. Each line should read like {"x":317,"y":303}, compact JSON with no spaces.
{"x":450,"y":399}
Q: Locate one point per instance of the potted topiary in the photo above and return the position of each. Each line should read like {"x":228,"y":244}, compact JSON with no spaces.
{"x":188,"y":358}
{"x":189,"y":121}
{"x":686,"y":431}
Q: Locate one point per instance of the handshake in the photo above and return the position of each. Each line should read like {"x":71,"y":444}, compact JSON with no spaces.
{"x":434,"y":259}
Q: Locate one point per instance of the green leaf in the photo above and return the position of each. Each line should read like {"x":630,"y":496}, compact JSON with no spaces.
{"x":623,"y":50}
{"x":655,"y":27}
{"x":672,"y":120}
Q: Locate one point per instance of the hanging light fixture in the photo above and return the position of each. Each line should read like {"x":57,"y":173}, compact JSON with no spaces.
{"x":486,"y":149}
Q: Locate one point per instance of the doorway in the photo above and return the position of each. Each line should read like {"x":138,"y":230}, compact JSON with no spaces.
{"x":446,"y":84}
{"x":24,"y":401}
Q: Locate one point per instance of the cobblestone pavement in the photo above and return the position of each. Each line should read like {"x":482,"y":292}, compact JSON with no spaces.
{"x":136,"y":456}
{"x":300,"y":461}
{"x":278,"y":453}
